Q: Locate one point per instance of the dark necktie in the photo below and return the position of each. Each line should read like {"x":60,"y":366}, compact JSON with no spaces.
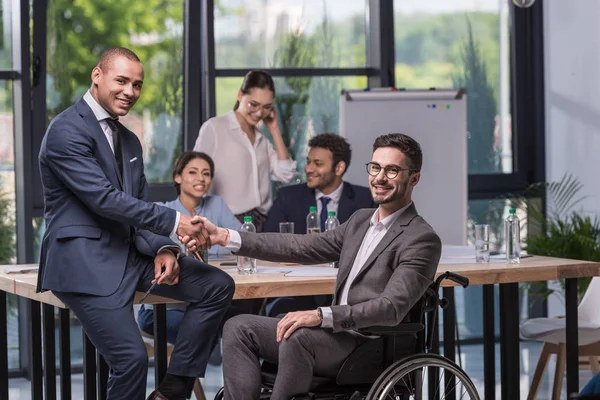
{"x":116,"y":139}
{"x":324,"y":201}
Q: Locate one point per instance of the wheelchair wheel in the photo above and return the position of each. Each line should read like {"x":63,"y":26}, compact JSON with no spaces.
{"x":423,"y":376}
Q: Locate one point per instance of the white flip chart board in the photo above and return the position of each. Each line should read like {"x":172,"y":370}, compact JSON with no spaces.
{"x":437,"y":119}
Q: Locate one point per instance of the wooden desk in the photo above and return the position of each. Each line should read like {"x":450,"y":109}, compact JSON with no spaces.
{"x":276,"y":284}
{"x":531,"y":269}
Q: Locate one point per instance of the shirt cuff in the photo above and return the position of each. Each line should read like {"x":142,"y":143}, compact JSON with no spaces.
{"x":327,"y":317}
{"x":173,"y":235}
{"x":235,"y":241}
{"x":174,"y":249}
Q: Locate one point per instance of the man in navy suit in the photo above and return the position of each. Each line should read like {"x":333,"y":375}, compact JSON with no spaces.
{"x":104,"y":241}
{"x":328,"y":159}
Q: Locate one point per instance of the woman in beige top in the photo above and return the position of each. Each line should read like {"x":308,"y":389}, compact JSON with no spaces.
{"x":245,"y":159}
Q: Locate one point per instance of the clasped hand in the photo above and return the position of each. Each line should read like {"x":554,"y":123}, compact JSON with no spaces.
{"x":214,"y":236}
{"x":194,"y":229}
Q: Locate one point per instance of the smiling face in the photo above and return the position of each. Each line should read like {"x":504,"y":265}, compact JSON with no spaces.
{"x":118,"y":86}
{"x":320,"y":173}
{"x":255,"y":105}
{"x":195,"y":179}
{"x":395,"y":192}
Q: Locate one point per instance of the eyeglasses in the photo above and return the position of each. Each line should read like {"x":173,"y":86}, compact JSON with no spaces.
{"x":391,"y":171}
{"x":254,"y":107}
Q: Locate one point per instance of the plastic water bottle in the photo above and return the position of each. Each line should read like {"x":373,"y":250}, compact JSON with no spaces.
{"x":331,"y":223}
{"x":313,"y":223}
{"x":512,"y":230}
{"x":247,"y":265}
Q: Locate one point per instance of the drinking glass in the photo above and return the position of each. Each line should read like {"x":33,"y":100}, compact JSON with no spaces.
{"x":286,"y":227}
{"x":482,"y":243}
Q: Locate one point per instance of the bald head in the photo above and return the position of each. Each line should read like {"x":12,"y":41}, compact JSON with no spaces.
{"x":107,"y":58}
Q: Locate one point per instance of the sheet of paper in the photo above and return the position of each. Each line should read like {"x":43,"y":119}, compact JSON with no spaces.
{"x":458,"y":251}
{"x":19,"y":270}
{"x":262,"y":269}
{"x":312,"y":271}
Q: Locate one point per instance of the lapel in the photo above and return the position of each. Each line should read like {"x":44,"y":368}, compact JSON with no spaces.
{"x":127,"y":155}
{"x":393,"y":232}
{"x":104,"y":149}
{"x":356,"y":241}
{"x":346,"y":202}
{"x":357,"y":234}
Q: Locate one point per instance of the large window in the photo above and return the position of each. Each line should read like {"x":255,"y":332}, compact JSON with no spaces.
{"x":290,"y":33}
{"x":298,"y":42}
{"x":306,"y":106}
{"x":5,"y":36}
{"x":462,"y":44}
{"x":78,"y":32}
{"x":7,"y":211}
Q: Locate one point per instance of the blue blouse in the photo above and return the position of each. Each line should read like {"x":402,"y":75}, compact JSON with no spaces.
{"x":215,"y":210}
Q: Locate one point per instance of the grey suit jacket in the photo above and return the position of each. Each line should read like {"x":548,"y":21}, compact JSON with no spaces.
{"x":392,"y":280}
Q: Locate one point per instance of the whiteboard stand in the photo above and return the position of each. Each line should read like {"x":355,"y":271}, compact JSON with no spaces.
{"x":437,"y":119}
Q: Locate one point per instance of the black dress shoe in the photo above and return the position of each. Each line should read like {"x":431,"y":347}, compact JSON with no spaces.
{"x":156,"y":395}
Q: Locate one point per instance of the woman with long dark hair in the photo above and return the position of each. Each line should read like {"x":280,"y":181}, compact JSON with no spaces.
{"x":246,"y":160}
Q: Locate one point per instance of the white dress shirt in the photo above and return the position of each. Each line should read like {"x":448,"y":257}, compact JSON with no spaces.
{"x":334,"y":199}
{"x":376,"y":232}
{"x":243,"y":171}
{"x":101,"y":115}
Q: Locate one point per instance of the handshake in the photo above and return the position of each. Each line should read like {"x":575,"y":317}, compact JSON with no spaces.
{"x":198,"y":233}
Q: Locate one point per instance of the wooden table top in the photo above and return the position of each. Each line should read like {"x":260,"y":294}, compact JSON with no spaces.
{"x":276,"y":284}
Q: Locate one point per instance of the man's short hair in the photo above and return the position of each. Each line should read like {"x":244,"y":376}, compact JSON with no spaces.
{"x":339,"y":147}
{"x":109,"y":55}
{"x":407,"y":145}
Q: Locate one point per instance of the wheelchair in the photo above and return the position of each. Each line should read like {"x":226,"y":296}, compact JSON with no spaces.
{"x":396,"y":365}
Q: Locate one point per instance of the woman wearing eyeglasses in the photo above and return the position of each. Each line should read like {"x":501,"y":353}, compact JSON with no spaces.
{"x":245,"y":159}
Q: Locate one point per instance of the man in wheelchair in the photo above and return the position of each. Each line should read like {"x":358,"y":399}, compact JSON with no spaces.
{"x":387,"y":259}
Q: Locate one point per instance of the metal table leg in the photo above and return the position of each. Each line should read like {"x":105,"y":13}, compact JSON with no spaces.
{"x":3,"y":347}
{"x":160,"y":342}
{"x":89,"y":369}
{"x":35,"y":351}
{"x":449,"y":339}
{"x":65,"y":354}
{"x":489,"y":343}
{"x":572,"y":338}
{"x":509,"y":341}
{"x":49,"y":353}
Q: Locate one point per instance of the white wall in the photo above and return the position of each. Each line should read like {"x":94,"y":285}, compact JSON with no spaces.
{"x":572,"y":86}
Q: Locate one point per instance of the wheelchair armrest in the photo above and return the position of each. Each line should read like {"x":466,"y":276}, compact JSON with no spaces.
{"x":403,"y":328}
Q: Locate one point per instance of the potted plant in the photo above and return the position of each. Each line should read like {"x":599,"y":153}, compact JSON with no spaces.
{"x":556,"y":228}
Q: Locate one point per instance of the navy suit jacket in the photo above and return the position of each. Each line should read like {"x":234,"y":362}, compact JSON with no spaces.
{"x":292,"y":204}
{"x":92,"y":215}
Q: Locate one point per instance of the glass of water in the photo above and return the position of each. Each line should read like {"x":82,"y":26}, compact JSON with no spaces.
{"x":286,"y":227}
{"x":482,"y":243}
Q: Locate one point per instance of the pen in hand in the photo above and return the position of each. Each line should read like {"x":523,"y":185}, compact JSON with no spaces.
{"x":152,"y":286}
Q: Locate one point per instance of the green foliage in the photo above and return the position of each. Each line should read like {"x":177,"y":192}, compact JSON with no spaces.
{"x":481,"y":114}
{"x":7,"y":230}
{"x":295,"y":50}
{"x":7,"y":240}
{"x":483,"y":157}
{"x":78,"y":33}
{"x":561,"y":230}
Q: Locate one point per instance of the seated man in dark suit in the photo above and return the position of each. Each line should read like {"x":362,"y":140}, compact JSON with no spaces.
{"x":327,"y":161}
